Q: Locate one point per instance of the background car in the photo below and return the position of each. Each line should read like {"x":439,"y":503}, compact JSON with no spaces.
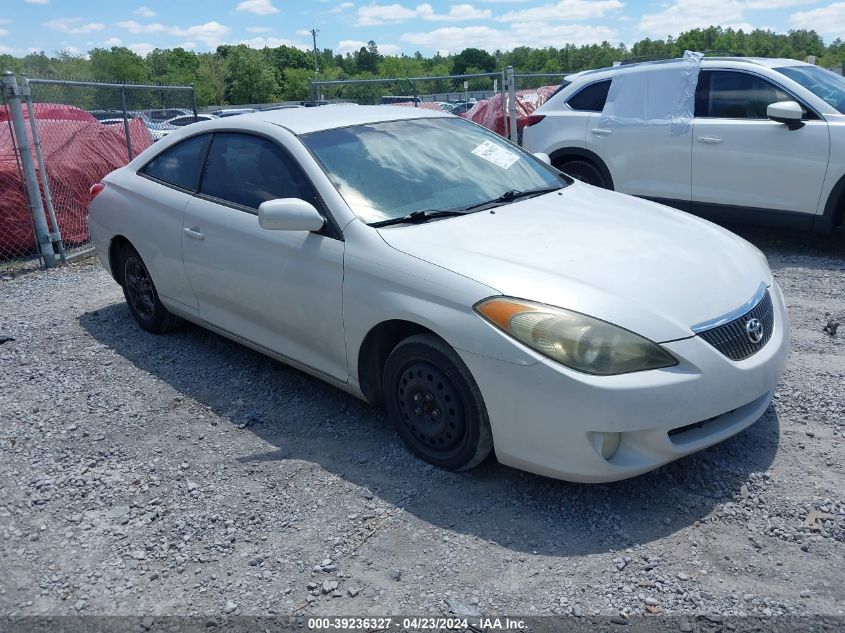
{"x":416,"y":259}
{"x":737,"y":139}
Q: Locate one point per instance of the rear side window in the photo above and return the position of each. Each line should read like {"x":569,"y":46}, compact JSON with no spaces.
{"x":590,"y":98}
{"x":179,"y":165}
{"x":247,"y":170}
{"x":724,"y":94}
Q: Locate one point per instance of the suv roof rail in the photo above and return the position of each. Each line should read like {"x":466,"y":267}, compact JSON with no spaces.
{"x":716,"y":52}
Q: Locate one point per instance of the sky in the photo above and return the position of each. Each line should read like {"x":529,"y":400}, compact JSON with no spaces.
{"x":404,"y":26}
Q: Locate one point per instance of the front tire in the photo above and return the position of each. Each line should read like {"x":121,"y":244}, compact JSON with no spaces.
{"x":141,"y":295}
{"x":435,"y":404}
{"x":585,"y":171}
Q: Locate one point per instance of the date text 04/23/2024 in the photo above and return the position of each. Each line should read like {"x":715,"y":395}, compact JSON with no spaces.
{"x":412,"y":623}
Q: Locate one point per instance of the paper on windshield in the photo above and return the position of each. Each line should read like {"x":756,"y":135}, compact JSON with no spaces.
{"x":496,"y":154}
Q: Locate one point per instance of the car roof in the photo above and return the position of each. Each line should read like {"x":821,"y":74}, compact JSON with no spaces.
{"x":766,"y":62}
{"x":306,"y":120}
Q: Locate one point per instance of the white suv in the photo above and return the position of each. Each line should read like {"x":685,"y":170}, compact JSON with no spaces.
{"x":737,"y":139}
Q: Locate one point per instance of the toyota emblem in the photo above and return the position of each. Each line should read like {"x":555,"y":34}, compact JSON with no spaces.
{"x":754,"y":330}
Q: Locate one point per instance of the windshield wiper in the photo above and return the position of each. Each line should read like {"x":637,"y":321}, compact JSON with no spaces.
{"x":419,"y":217}
{"x":511,"y":195}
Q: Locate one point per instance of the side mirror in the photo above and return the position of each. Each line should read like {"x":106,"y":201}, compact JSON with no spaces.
{"x":289,"y":214}
{"x":788,"y":112}
{"x":543,"y":157}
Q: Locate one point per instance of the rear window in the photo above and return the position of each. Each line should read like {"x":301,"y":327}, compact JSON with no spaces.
{"x":179,"y":165}
{"x":590,"y":98}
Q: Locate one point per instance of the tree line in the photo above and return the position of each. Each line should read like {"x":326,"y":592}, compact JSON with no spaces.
{"x":237,"y":74}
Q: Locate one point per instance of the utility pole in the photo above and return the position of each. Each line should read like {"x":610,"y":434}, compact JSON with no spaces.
{"x":314,"y":37}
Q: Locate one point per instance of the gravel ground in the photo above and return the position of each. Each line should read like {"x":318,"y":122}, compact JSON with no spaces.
{"x":185,"y":474}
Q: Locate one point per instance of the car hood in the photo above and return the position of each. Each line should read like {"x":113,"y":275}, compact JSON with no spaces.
{"x":646,"y":267}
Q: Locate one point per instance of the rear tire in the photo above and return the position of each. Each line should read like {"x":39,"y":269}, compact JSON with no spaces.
{"x":141,"y":295}
{"x":585,"y":171}
{"x":435,"y":404}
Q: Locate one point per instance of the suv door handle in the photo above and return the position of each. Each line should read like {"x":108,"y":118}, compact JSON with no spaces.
{"x":712,"y":140}
{"x":598,"y":131}
{"x":193,"y":233}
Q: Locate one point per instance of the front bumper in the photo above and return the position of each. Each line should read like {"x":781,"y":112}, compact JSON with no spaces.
{"x":544,"y":416}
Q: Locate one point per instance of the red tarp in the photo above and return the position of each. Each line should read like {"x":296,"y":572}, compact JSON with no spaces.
{"x":78,"y":152}
{"x":489,"y":112}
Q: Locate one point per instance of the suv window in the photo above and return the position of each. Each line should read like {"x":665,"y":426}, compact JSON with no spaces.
{"x":724,"y":94}
{"x":590,"y":98}
{"x":247,"y":170}
{"x":179,"y":165}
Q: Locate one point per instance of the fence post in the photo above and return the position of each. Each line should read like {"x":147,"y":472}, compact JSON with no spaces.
{"x":194,"y":100}
{"x":36,"y":207}
{"x":514,"y":137}
{"x":56,"y":234}
{"x":126,"y":124}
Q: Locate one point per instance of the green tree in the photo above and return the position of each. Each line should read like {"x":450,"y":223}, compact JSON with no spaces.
{"x":473,"y":58}
{"x":251,"y":79}
{"x":118,"y":64}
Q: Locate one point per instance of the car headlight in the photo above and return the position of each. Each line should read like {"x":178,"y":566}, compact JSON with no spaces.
{"x":576,"y":340}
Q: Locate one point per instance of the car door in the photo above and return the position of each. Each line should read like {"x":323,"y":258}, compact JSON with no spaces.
{"x":742,"y":158}
{"x":646,"y":154}
{"x":281,"y":290}
{"x":159,"y":196}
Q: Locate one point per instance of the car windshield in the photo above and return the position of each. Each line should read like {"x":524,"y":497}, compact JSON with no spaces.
{"x":388,"y":170}
{"x":821,"y":82}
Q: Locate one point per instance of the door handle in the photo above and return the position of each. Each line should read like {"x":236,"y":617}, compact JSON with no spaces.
{"x":598,"y":131}
{"x":711,"y":140}
{"x":193,"y":233}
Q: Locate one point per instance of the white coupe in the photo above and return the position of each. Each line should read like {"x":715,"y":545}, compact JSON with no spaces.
{"x":415,"y":259}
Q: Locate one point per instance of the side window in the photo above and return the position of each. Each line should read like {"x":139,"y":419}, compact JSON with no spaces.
{"x":590,"y":98}
{"x":723,"y":94}
{"x":248,"y":170}
{"x":179,"y":165}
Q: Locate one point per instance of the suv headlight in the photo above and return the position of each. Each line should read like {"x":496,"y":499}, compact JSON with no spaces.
{"x":576,"y":340}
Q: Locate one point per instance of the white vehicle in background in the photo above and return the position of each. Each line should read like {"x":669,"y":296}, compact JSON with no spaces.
{"x":416,"y":259}
{"x":762,"y":140}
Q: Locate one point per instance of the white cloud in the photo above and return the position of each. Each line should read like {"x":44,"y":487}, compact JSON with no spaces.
{"x":37,"y":1}
{"x":350,"y":46}
{"x":456,"y":38}
{"x":776,"y":4}
{"x":145,"y":12}
{"x":258,"y":29}
{"x":459,"y":12}
{"x":343,"y":6}
{"x":564,"y":11}
{"x":273,"y":42}
{"x":211,"y":33}
{"x":829,"y":20}
{"x":259,"y":7}
{"x":141,"y":48}
{"x":375,"y":14}
{"x":74,"y":26}
{"x":4,"y":31}
{"x":684,"y":15}
{"x":113,"y":41}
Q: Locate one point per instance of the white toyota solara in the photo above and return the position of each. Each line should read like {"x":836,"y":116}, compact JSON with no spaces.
{"x":415,"y":259}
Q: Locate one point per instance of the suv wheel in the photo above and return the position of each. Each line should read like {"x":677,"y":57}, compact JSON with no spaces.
{"x":585,"y":171}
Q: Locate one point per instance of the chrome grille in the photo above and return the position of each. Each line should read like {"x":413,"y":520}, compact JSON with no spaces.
{"x":732,"y":340}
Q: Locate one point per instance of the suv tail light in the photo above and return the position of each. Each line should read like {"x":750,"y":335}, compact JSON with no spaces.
{"x":96,"y":188}
{"x":533,"y":119}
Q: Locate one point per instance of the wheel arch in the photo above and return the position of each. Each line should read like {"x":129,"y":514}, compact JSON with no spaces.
{"x":115,"y":246}
{"x":834,"y":209}
{"x":376,"y":346}
{"x":565,"y":154}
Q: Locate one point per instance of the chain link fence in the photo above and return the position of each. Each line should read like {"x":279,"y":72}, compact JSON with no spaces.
{"x":57,"y":139}
{"x":499,"y":100}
